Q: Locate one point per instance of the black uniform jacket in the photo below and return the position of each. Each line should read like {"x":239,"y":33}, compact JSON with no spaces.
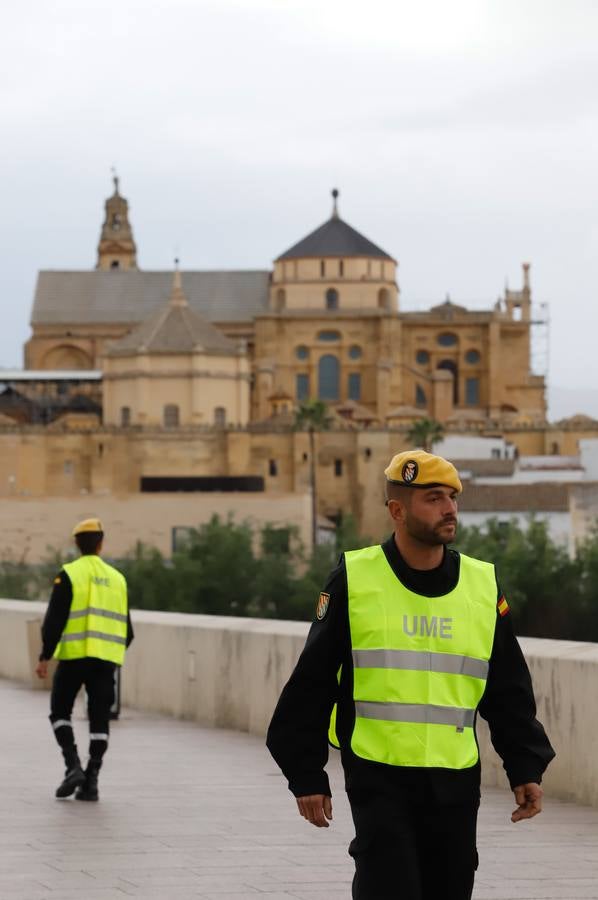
{"x":297,"y":736}
{"x":57,"y":615}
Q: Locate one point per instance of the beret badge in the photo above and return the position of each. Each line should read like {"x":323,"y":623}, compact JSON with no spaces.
{"x":409,"y":471}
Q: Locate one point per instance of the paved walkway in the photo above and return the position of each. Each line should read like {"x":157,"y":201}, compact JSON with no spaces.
{"x":190,"y":812}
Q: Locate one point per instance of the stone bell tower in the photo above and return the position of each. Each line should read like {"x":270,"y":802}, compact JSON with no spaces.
{"x":116,"y":250}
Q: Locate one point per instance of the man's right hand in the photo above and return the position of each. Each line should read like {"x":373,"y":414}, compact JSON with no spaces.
{"x":316,"y":808}
{"x":41,"y":669}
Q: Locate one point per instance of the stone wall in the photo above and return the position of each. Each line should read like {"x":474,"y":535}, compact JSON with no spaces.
{"x":30,"y":527}
{"x":228,"y":673}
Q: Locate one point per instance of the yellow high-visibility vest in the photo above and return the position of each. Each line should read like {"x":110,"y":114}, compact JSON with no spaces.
{"x":419,"y":663}
{"x":97,"y":622}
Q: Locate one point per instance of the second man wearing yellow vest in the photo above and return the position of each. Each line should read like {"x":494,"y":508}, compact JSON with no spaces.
{"x":87,"y":627}
{"x":410,"y":641}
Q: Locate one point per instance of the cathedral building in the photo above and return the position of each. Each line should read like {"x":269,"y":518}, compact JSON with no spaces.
{"x":325,"y":323}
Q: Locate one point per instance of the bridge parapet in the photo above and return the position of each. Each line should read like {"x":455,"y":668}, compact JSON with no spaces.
{"x":227,"y":672}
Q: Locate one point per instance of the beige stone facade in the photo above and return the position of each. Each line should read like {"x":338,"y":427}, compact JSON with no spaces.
{"x":32,"y":528}
{"x":100,"y":463}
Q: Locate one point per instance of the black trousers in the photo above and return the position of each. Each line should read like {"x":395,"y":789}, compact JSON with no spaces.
{"x":406,"y":849}
{"x":98,"y":677}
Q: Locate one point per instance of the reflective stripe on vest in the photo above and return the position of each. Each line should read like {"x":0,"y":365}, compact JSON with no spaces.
{"x":100,"y":635}
{"x":420,"y":663}
{"x":95,"y":611}
{"x":411,"y":712}
{"x":419,"y":660}
{"x":97,"y":622}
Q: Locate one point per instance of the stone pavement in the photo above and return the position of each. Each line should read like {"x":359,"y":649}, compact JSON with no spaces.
{"x":191,"y":812}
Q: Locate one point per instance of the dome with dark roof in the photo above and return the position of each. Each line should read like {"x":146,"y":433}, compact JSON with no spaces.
{"x":334,"y":238}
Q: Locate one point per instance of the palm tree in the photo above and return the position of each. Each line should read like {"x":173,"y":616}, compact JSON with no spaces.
{"x":312,"y":416}
{"x":425,"y":433}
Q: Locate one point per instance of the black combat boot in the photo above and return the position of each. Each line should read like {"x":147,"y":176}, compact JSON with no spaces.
{"x":74,"y":776}
{"x":89,"y":789}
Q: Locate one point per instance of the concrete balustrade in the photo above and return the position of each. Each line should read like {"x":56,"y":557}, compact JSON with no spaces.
{"x":228,"y":672}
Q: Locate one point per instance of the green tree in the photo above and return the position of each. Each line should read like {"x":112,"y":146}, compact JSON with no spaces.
{"x":312,"y":416}
{"x":16,"y":579}
{"x":149,"y":579}
{"x":539,"y":579}
{"x":216,"y":571}
{"x":425,"y":433}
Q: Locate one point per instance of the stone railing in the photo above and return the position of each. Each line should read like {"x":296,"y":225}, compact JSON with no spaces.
{"x":228,"y":672}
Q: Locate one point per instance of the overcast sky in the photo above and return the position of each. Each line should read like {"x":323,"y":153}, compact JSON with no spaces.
{"x":463,"y":137}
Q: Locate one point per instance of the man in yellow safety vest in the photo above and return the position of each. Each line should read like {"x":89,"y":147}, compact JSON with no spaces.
{"x":410,"y":641}
{"x":87,"y":627}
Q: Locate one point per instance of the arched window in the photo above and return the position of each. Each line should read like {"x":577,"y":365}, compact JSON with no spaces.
{"x":331,"y":299}
{"x":171,"y":415}
{"x":322,"y":268}
{"x":67,"y":356}
{"x":420,"y":396}
{"x":329,"y":336}
{"x":115,"y":264}
{"x":447,"y":339}
{"x":383,"y":298}
{"x":341,"y":268}
{"x":280,"y":299}
{"x":328,"y":378}
{"x":450,"y":366}
{"x":220,"y":416}
{"x":301,"y":387}
{"x":125,"y":416}
{"x":472,"y":391}
{"x":354,"y":386}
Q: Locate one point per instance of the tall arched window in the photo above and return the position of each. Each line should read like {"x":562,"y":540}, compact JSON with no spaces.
{"x":125,"y":416}
{"x":220,"y":416}
{"x":472,"y":391}
{"x":171,"y":415}
{"x":328,"y":378}
{"x":383,"y":298}
{"x":301,"y":387}
{"x":451,"y":366}
{"x":420,"y":396}
{"x":280,"y":299}
{"x":331,"y":299}
{"x":354,"y":386}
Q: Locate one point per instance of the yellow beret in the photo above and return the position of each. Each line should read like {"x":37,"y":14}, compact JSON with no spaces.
{"x":416,"y":468}
{"x":87,"y":525}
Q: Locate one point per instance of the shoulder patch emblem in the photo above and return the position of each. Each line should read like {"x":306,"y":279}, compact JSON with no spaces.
{"x":409,"y":471}
{"x":503,"y":606}
{"x":322,"y":607}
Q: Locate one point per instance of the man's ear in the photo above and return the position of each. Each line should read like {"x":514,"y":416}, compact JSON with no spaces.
{"x":397,"y":511}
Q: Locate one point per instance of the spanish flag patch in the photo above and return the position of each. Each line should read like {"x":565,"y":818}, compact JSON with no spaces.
{"x":503,"y":606}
